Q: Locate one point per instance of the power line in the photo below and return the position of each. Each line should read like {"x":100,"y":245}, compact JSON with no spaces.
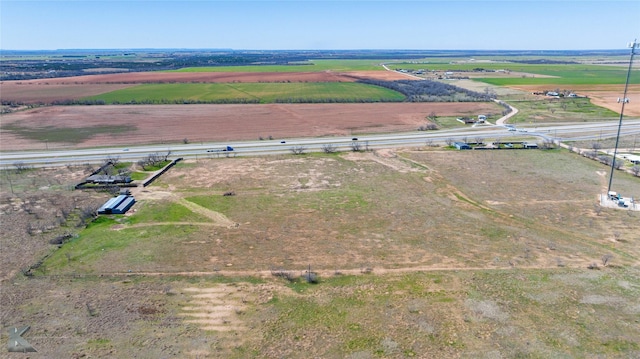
{"x":633,"y":45}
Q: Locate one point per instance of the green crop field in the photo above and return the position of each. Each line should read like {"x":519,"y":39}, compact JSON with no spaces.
{"x":562,"y":74}
{"x":253,"y":92}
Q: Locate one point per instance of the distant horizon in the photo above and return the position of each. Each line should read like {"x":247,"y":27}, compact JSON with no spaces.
{"x":623,"y":50}
{"x":316,"y":25}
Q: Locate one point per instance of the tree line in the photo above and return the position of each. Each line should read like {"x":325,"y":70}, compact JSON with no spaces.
{"x":430,"y":91}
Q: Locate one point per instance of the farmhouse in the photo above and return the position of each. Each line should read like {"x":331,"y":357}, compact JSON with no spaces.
{"x":117,"y":205}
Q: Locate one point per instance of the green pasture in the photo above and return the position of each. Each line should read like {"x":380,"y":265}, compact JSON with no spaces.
{"x":563,"y":74}
{"x":559,"y":110}
{"x":303,"y":66}
{"x":66,"y":134}
{"x":252,"y":92}
{"x":526,"y":314}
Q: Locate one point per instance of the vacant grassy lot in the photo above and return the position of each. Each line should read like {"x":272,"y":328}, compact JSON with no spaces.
{"x":360,"y":219}
{"x":549,"y":110}
{"x":419,"y":254}
{"x":258,"y":92}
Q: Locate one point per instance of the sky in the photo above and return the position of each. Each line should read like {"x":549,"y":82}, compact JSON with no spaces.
{"x":319,"y":24}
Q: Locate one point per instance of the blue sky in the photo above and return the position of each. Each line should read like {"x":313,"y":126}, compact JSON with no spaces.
{"x":319,"y":24}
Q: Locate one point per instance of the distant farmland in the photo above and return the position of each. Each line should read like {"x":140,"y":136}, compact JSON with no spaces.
{"x":525,"y":74}
{"x":306,"y":66}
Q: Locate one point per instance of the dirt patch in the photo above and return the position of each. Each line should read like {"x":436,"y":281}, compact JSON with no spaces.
{"x":217,"y":308}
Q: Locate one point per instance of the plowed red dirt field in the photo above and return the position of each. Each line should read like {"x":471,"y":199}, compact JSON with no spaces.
{"x":174,"y":123}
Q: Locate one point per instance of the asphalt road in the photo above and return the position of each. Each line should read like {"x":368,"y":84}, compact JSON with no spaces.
{"x":572,"y":131}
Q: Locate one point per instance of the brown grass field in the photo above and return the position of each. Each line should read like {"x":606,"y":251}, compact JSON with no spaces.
{"x":422,"y":253}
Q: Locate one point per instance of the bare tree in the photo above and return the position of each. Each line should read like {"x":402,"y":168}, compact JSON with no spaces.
{"x":449,"y":141}
{"x":548,"y":144}
{"x":606,"y":259}
{"x":617,"y":164}
{"x":20,"y":166}
{"x":111,"y":160}
{"x":635,"y":170}
{"x":489,"y":92}
{"x":329,"y":148}
{"x":143,"y":164}
{"x":479,"y":140}
{"x":355,"y":146}
{"x":87,"y":214}
{"x":298,"y":150}
{"x":616,"y":236}
{"x":88,"y":168}
{"x":166,"y":156}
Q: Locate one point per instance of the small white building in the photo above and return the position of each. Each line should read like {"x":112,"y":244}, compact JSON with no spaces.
{"x":635,"y":159}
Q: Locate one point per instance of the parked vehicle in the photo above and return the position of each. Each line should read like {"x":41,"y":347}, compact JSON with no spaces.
{"x":225,"y":149}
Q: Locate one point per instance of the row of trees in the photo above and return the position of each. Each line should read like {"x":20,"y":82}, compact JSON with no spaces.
{"x":332,"y":100}
{"x":430,"y":91}
{"x":153,"y":160}
{"x":355,"y":146}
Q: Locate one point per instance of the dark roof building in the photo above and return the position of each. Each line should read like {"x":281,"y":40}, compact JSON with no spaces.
{"x":462,"y":146}
{"x":117,"y":205}
{"x":107,"y":179}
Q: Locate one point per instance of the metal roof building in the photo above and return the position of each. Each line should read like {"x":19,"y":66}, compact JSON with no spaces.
{"x":117,"y":205}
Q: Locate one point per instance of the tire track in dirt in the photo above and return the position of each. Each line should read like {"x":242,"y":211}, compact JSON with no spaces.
{"x":217,"y":308}
{"x":576,"y":263}
{"x":218,"y":219}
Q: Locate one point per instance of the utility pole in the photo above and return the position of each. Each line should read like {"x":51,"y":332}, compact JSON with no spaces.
{"x":624,"y":100}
